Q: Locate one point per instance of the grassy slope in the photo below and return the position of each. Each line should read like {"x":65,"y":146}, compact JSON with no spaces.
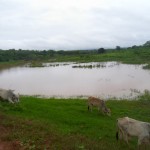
{"x":67,"y":123}
{"x":132,"y":56}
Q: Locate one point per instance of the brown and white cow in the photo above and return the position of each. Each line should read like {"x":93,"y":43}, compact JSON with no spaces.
{"x":128,"y":127}
{"x":93,"y":101}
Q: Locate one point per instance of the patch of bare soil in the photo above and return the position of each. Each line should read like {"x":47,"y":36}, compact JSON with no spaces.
{"x":17,"y":134}
{"x":5,"y":142}
{"x":10,"y":145}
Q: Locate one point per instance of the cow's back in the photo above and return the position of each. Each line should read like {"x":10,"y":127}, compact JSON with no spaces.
{"x":134,"y":127}
{"x":93,"y":101}
{"x":5,"y":94}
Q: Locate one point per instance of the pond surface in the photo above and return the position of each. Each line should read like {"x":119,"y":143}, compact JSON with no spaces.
{"x":105,"y":80}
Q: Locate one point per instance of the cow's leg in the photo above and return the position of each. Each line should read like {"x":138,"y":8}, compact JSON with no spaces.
{"x":124,"y":136}
{"x":138,"y":147}
{"x":126,"y":139}
{"x":89,"y":108}
{"x":139,"y":143}
{"x":98,"y":108}
{"x":10,"y":100}
{"x":102,"y":110}
{"x":143,"y":142}
{"x":121,"y":135}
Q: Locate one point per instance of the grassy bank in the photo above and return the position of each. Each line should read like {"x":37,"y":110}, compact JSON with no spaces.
{"x":130,"y":56}
{"x":9,"y":64}
{"x":140,"y":55}
{"x":38,"y":123}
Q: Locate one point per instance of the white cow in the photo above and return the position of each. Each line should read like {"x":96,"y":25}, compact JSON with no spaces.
{"x":127,"y":127}
{"x":9,"y":96}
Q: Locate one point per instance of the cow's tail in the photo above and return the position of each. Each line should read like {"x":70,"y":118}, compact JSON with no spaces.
{"x":117,"y":135}
{"x":88,"y":107}
{"x":117,"y":132}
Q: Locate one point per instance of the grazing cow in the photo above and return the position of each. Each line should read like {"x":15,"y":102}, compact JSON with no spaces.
{"x":92,"y":101}
{"x":9,"y":96}
{"x":127,"y":127}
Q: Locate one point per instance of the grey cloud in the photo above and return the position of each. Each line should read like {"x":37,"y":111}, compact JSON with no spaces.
{"x":123,"y":23}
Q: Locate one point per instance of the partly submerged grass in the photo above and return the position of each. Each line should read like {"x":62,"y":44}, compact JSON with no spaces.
{"x":147,"y":66}
{"x":9,"y":64}
{"x":66,"y":123}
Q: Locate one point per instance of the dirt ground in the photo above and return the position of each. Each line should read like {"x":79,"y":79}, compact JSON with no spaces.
{"x":5,"y":142}
{"x":10,"y":145}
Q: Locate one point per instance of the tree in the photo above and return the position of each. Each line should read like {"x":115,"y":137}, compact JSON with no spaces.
{"x":147,"y":44}
{"x":101,"y":50}
{"x":118,"y":47}
{"x":134,"y":46}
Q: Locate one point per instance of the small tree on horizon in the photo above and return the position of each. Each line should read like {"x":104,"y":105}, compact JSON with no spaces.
{"x":101,"y":50}
{"x":118,"y":47}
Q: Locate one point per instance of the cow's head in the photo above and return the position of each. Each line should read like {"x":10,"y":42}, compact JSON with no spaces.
{"x":15,"y":98}
{"x":107,"y":111}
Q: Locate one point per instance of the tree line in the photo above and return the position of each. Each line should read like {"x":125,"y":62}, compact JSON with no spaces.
{"x":28,"y":55}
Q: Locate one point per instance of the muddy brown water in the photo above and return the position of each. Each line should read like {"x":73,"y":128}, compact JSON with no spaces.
{"x":108,"y":79}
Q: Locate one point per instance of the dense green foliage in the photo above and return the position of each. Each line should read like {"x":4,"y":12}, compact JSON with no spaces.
{"x":67,"y":124}
{"x":30,"y":55}
{"x":134,"y":55}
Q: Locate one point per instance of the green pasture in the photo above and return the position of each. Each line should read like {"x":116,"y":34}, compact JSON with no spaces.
{"x":66,"y":123}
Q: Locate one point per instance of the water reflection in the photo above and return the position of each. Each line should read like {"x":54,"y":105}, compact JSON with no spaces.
{"x":64,"y":80}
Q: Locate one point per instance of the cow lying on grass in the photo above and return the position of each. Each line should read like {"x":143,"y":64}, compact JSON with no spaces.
{"x":8,"y":95}
{"x":127,"y":127}
{"x":92,"y":101}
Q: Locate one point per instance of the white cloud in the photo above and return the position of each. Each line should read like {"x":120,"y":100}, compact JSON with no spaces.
{"x":75,"y":24}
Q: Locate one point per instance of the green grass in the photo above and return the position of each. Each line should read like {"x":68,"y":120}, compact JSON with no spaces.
{"x":131,"y":56}
{"x":68,"y":124}
{"x":140,"y":55}
{"x":9,"y":64}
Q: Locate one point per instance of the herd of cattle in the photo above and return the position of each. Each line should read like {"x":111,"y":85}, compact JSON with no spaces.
{"x":126,"y":127}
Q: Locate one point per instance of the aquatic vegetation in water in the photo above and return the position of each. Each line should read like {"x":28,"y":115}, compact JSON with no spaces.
{"x":146,"y":66}
{"x":90,"y":66}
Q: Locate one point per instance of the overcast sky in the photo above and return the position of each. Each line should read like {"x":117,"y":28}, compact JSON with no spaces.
{"x":73,"y":24}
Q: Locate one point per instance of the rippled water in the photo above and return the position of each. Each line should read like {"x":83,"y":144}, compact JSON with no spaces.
{"x":71,"y":80}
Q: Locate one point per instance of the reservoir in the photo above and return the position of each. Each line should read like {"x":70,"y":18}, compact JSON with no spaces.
{"x":107,"y":79}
